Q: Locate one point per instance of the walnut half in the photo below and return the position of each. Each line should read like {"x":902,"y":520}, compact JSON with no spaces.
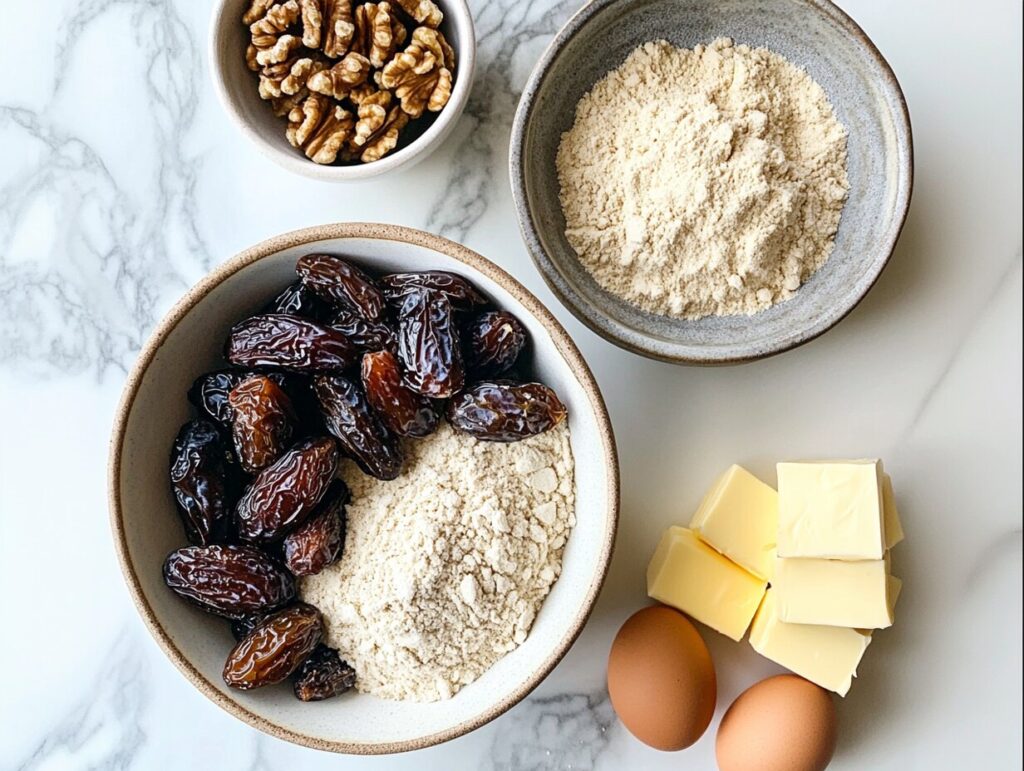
{"x":420,"y":75}
{"x":320,"y":128}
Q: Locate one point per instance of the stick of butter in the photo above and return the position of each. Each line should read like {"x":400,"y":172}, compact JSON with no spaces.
{"x":831,"y":510}
{"x":739,"y":517}
{"x":691,"y":576}
{"x":826,"y":655}
{"x":833,"y":592}
{"x":893,"y":526}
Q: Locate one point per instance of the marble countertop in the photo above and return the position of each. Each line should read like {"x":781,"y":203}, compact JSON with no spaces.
{"x":122,"y":183}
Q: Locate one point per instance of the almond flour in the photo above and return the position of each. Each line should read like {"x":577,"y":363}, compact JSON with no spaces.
{"x":445,"y":567}
{"x":703,"y":182}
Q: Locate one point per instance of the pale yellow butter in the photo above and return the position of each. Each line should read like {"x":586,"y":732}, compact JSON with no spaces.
{"x":691,"y":576}
{"x":831,"y":510}
{"x":893,"y":526}
{"x":833,"y":592}
{"x":739,"y":517}
{"x":826,"y":655}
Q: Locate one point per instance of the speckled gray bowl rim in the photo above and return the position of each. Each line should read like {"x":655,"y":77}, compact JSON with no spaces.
{"x":563,"y":344}
{"x":598,"y":322}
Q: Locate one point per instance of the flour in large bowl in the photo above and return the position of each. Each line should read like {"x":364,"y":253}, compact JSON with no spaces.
{"x":445,"y":568}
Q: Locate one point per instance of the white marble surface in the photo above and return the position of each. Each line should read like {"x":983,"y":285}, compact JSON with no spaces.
{"x":122,"y":183}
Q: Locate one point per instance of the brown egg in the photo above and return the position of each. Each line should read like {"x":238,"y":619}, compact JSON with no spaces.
{"x":661,"y":679}
{"x":784,"y":723}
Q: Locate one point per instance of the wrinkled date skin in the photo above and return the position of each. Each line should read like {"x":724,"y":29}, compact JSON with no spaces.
{"x":318,"y":542}
{"x":462,"y":295}
{"x":275,"y":648}
{"x":289,"y":342}
{"x":240,"y":627}
{"x":285,"y":493}
{"x":323,"y":675}
{"x":341,"y":283}
{"x":493,"y":342}
{"x":360,"y":432}
{"x":297,"y":300}
{"x":364,"y":335}
{"x":264,"y":422}
{"x":505,"y":412}
{"x":199,"y":480}
{"x":231,"y":581}
{"x":403,"y":411}
{"x":429,"y":345}
{"x":209,"y":393}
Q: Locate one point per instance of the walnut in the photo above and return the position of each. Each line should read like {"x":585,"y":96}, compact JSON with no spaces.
{"x":283,"y":106}
{"x":327,"y":25}
{"x":385,"y":138}
{"x":250,"y":58}
{"x":268,"y":30}
{"x":423,"y":11}
{"x":340,"y":79}
{"x":285,"y":46}
{"x":288,"y":77}
{"x":319,"y":128}
{"x":359,"y":94}
{"x":257,"y":10}
{"x":373,"y":109}
{"x":420,"y":75}
{"x":379,"y":32}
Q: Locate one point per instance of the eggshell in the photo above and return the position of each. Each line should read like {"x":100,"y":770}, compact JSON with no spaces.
{"x":661,"y":679}
{"x":784,"y":723}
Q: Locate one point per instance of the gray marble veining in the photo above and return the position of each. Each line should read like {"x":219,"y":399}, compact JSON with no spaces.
{"x":121,"y":184}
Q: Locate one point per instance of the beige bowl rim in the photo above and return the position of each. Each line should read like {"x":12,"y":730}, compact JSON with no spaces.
{"x":565,"y":346}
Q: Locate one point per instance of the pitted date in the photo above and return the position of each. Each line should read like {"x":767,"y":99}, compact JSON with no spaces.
{"x":403,"y":411}
{"x":231,"y":581}
{"x":286,"y":492}
{"x":289,"y":342}
{"x":500,"y":411}
{"x":275,"y":648}
{"x":341,"y":283}
{"x":263,"y":424}
{"x":492,"y":343}
{"x":199,"y":480}
{"x":364,"y":334}
{"x":358,"y":429}
{"x":297,"y":300}
{"x":323,"y":675}
{"x":429,"y":345}
{"x":319,"y":540}
{"x":459,"y":291}
{"x":209,"y":392}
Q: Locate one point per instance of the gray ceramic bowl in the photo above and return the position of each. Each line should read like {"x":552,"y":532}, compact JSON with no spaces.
{"x":815,"y":35}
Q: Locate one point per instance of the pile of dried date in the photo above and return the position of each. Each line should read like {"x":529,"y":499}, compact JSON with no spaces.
{"x":339,"y":364}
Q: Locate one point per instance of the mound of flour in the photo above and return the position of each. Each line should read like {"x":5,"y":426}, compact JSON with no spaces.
{"x":445,"y":567}
{"x":703,"y":182}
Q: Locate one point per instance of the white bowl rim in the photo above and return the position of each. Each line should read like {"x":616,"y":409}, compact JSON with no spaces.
{"x":424,"y":144}
{"x":563,"y":343}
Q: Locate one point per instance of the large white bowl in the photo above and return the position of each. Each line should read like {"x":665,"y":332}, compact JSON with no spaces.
{"x":146,"y":526}
{"x":237,"y":88}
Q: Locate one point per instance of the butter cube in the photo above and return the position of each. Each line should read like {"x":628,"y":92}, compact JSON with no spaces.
{"x":831,"y":510}
{"x":739,"y":517}
{"x":826,"y":655}
{"x":893,"y":526}
{"x":833,"y":592}
{"x":691,"y":576}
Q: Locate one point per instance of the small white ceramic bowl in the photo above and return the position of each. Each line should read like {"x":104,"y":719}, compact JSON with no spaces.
{"x":237,"y":87}
{"x":146,"y":526}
